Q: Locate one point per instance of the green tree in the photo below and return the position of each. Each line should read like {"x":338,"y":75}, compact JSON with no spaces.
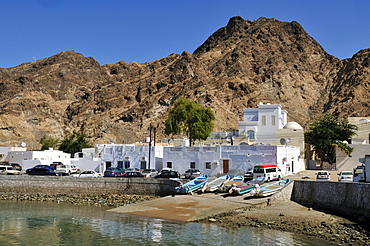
{"x":74,"y":143}
{"x":327,"y":133}
{"x":48,"y":142}
{"x":191,"y":119}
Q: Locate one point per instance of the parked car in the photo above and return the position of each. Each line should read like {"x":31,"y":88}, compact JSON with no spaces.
{"x":248,"y":176}
{"x":131,"y":169}
{"x":168,"y":174}
{"x":16,"y":166}
{"x":55,"y":164}
{"x":192,"y":173}
{"x":149,"y":173}
{"x":67,"y":169}
{"x":42,"y":170}
{"x":323,"y":175}
{"x":113,"y":172}
{"x":88,"y":174}
{"x":9,"y":170}
{"x":40,"y":166}
{"x":166,"y":169}
{"x":345,"y":176}
{"x":133,"y":174}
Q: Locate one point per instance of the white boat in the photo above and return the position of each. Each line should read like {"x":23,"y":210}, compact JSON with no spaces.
{"x":216,"y":184}
{"x":235,"y":181}
{"x":269,"y":189}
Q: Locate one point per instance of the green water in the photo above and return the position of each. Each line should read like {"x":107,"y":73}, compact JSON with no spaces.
{"x":27,"y":223}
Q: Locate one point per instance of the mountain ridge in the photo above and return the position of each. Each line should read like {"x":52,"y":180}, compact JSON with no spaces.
{"x":238,"y":66}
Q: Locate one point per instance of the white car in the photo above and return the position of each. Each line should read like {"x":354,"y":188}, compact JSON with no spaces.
{"x":323,"y":175}
{"x":9,"y":170}
{"x":345,"y":176}
{"x":149,"y":173}
{"x":88,"y":174}
{"x":67,"y":169}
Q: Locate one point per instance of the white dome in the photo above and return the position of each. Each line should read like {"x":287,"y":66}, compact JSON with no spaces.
{"x":292,"y":125}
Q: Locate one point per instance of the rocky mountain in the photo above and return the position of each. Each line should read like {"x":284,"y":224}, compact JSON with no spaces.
{"x":238,"y":66}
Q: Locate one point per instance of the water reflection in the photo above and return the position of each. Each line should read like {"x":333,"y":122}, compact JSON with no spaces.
{"x":26,"y":223}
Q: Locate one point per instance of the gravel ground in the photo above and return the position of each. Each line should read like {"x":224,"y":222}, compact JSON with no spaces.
{"x":293,"y":217}
{"x":102,"y":200}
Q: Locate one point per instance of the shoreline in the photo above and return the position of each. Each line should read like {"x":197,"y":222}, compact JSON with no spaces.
{"x":292,"y":217}
{"x":286,"y":216}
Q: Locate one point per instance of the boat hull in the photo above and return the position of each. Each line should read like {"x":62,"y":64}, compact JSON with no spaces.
{"x":272,"y":188}
{"x":192,"y":185}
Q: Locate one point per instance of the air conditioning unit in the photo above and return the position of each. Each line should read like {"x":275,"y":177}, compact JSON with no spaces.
{"x":216,"y":163}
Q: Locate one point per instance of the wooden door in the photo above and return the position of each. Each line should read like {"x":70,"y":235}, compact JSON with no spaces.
{"x":225,"y":166}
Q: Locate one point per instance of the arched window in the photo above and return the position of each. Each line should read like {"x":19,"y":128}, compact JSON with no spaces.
{"x":251,"y":134}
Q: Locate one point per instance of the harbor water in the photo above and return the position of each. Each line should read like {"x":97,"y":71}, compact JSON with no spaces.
{"x":34,"y":223}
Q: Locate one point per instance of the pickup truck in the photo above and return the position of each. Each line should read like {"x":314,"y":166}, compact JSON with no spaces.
{"x":67,"y":169}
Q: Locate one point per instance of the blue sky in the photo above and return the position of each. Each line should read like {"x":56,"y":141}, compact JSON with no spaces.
{"x":144,"y":31}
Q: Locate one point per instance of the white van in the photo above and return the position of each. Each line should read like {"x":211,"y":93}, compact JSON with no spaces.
{"x":269,"y":172}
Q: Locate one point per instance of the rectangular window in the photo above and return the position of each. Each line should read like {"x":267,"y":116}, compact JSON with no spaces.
{"x":127,"y":164}
{"x":263,"y":120}
{"x":192,"y":164}
{"x":143,"y":165}
{"x":208,"y":165}
{"x":120,"y":164}
{"x":169,"y":164}
{"x":273,"y":120}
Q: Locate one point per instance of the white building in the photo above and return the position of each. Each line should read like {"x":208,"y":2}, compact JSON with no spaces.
{"x":217,"y":160}
{"x":4,"y":152}
{"x":30,"y":158}
{"x":119,"y":155}
{"x":260,"y":124}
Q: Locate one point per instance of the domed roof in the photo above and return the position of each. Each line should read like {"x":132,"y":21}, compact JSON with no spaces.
{"x":292,"y":125}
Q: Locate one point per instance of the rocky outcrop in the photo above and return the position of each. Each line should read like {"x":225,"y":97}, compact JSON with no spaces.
{"x":238,"y":66}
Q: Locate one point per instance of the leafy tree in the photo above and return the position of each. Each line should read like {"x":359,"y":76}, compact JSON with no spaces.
{"x":74,"y":143}
{"x":327,"y":133}
{"x":191,"y":119}
{"x":48,"y":142}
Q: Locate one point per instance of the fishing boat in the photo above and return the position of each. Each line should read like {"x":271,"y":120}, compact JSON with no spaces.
{"x":271,"y":188}
{"x":192,"y":185}
{"x":246,"y":187}
{"x":215,"y":184}
{"x":235,"y":181}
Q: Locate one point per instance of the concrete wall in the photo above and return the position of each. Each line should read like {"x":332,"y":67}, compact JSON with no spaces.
{"x":68,"y":185}
{"x":344,"y":198}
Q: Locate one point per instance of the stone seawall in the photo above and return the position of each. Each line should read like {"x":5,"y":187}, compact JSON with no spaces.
{"x":345,"y":198}
{"x":68,"y":185}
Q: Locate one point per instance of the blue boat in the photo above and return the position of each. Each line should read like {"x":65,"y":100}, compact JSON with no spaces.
{"x":246,"y":187}
{"x":192,"y":185}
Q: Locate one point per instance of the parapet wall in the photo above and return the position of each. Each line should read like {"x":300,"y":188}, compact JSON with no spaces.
{"x":344,"y":198}
{"x":69,"y":185}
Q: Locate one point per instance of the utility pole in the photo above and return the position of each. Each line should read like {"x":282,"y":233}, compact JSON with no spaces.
{"x":150,"y":143}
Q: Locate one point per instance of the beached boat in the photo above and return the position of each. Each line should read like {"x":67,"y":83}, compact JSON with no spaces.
{"x":246,"y":187}
{"x":192,"y":185}
{"x":235,"y":181}
{"x":271,"y":188}
{"x":215,"y":184}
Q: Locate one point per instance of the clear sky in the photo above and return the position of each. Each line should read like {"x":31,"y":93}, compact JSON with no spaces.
{"x":144,"y":31}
